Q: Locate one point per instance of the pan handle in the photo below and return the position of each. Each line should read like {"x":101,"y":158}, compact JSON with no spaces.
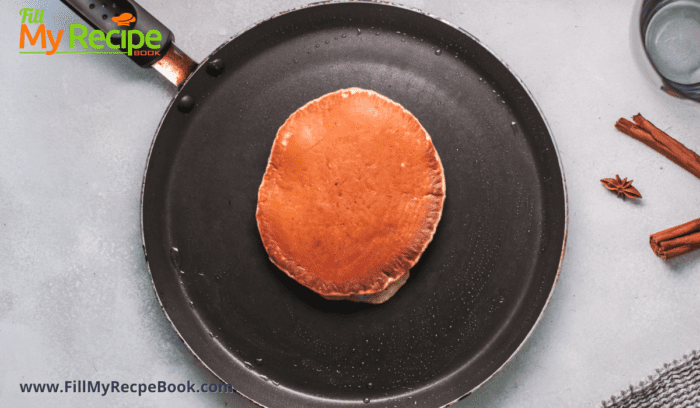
{"x":134,"y":31}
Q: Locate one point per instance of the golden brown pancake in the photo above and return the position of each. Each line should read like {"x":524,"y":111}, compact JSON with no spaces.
{"x":351,"y":197}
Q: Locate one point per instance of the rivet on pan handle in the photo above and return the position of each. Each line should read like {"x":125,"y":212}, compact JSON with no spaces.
{"x":136,"y":32}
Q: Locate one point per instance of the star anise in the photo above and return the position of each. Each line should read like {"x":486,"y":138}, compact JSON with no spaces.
{"x":622,"y":187}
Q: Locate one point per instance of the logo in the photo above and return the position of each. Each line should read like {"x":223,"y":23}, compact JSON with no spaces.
{"x":84,"y":41}
{"x":125,"y":19}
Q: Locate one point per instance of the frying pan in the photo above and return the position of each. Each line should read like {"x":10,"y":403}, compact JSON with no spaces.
{"x":479,"y":288}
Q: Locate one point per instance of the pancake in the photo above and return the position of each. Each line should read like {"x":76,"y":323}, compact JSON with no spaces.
{"x":352,"y":195}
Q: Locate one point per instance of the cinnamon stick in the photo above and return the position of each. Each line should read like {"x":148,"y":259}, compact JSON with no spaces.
{"x":650,"y":135}
{"x":684,"y":238}
{"x":676,"y":241}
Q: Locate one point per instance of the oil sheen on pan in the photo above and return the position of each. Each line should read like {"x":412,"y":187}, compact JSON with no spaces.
{"x":351,"y":197}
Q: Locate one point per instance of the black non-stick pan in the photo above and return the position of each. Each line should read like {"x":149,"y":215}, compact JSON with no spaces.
{"x":480,"y":286}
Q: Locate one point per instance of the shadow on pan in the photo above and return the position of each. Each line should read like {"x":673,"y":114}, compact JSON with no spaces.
{"x":478,"y":289}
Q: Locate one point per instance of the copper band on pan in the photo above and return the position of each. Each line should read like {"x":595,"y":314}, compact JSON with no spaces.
{"x":176,"y":66}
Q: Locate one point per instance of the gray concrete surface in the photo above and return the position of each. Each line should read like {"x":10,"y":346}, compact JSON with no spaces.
{"x":76,"y":300}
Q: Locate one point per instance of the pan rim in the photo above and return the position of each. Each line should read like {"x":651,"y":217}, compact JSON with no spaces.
{"x":426,"y":14}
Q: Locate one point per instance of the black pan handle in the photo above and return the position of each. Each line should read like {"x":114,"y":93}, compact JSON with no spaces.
{"x":136,"y":32}
{"x":126,"y":16}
